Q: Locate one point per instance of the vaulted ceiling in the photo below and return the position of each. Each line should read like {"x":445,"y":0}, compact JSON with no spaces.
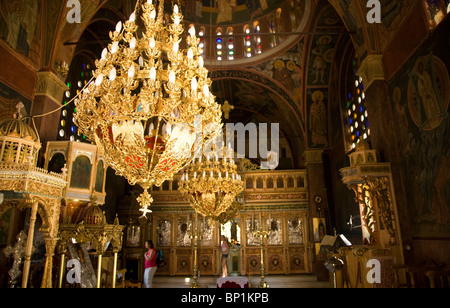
{"x":312,"y":38}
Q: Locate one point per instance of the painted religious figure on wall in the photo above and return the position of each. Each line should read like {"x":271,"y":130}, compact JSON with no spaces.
{"x":81,"y":173}
{"x":426,"y":102}
{"x":225,"y":10}
{"x":295,"y":230}
{"x":322,"y":54}
{"x":194,"y":9}
{"x":275,"y":236}
{"x":422,"y":126}
{"x":283,"y":74}
{"x":18,"y":23}
{"x":164,"y":233}
{"x":255,"y":7}
{"x":183,"y":233}
{"x":318,"y":120}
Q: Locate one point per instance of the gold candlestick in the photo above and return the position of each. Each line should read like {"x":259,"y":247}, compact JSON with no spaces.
{"x":195,"y":237}
{"x":262,"y":234}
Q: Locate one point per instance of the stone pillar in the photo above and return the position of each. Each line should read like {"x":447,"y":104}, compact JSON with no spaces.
{"x":318,"y":205}
{"x":383,"y":134}
{"x":316,"y":183}
{"x":48,"y":97}
{"x":378,"y":106}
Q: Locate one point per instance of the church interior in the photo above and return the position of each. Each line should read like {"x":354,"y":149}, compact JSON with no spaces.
{"x":342,"y":175}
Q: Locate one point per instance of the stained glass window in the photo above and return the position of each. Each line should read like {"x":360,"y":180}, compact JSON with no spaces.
{"x":356,"y":117}
{"x":257,"y":31}
{"x":79,"y":75}
{"x":247,"y":42}
{"x":219,"y":44}
{"x":230,"y":43}
{"x":202,"y":44}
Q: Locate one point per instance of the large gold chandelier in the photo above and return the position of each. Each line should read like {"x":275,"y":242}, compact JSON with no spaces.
{"x":212,"y":183}
{"x":150,"y":101}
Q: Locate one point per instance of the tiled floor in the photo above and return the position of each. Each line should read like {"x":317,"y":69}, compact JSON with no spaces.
{"x":274,"y":281}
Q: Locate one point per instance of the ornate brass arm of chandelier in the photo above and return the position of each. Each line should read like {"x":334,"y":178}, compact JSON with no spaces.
{"x":230,"y":214}
{"x":212,"y":184}
{"x":150,"y":101}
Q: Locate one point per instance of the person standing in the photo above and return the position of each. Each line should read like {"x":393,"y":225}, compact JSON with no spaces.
{"x":150,"y":264}
{"x":225,"y":250}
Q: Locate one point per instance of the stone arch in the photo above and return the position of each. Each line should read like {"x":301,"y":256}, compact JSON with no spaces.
{"x":289,"y":112}
{"x":71,"y":32}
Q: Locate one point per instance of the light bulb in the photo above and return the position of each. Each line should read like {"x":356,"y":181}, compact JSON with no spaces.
{"x":175,"y":47}
{"x":152,"y":43}
{"x":115,"y":47}
{"x":175,"y":9}
{"x":131,"y":71}
{"x":194,"y":84}
{"x":132,"y":17}
{"x":172,"y":77}
{"x":153,"y":74}
{"x":133,"y":43}
{"x":104,"y":53}
{"x":112,"y":74}
{"x":206,"y":90}
{"x":192,"y":31}
{"x":99,"y":80}
{"x":119,"y":27}
{"x":190,"y":54}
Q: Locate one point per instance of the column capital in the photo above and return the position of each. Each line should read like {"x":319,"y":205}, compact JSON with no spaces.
{"x":371,"y":69}
{"x":51,"y":86}
{"x":313,"y":156}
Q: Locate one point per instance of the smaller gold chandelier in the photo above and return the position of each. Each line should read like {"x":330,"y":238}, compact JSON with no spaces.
{"x":212,"y":184}
{"x":232,"y":212}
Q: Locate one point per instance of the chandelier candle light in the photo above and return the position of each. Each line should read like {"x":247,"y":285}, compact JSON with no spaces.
{"x":150,"y":102}
{"x":212,"y":184}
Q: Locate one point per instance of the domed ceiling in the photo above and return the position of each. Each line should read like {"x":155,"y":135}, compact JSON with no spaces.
{"x":215,"y":12}
{"x":271,"y":86}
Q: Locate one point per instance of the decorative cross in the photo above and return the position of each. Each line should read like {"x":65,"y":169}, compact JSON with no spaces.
{"x":226,"y":108}
{"x":17,"y":252}
{"x":145,"y":199}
